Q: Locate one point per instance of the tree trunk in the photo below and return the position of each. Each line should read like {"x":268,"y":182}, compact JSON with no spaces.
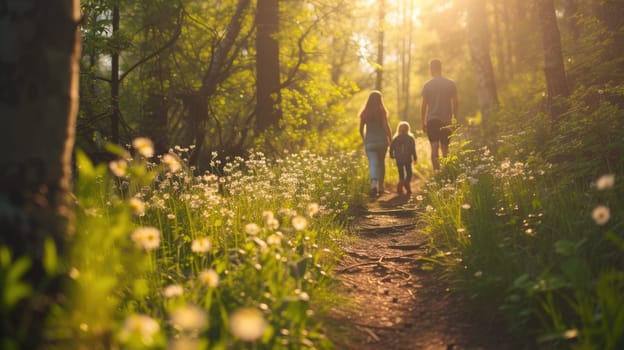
{"x":478,"y":40}
{"x":39,"y":63}
{"x":268,"y":112}
{"x":197,"y":102}
{"x":508,"y":41}
{"x":115,"y":112}
{"x":556,"y":82}
{"x":338,"y":60}
{"x":501,"y":62}
{"x":405,"y":60}
{"x":380,"y":44}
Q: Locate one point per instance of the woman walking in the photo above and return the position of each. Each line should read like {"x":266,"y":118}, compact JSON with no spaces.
{"x":376,"y":135}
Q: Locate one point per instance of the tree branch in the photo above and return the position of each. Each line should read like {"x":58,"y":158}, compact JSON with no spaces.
{"x":168,"y":44}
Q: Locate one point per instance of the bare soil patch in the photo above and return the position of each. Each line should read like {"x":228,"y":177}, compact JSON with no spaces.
{"x":395,"y":300}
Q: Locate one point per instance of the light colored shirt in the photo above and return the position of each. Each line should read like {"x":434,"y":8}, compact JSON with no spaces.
{"x":438,"y":94}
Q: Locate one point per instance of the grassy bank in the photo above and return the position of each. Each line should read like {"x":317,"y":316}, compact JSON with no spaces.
{"x":238,"y":257}
{"x":532,"y":228}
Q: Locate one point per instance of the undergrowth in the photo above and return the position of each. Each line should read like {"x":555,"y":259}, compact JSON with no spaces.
{"x":532,"y":229}
{"x":237,"y":257}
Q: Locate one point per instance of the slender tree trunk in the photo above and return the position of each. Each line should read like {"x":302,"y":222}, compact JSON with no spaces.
{"x":196,"y":102}
{"x":268,"y":112}
{"x":341,"y":48}
{"x":405,"y":59}
{"x":508,"y":40}
{"x":554,"y":70}
{"x":478,"y":39}
{"x":498,"y":35}
{"x":39,"y":63}
{"x":380,"y":44}
{"x":115,"y":112}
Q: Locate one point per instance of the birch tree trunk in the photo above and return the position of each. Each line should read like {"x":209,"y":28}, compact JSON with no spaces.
{"x":39,"y":64}
{"x":556,"y":82}
{"x":478,"y":40}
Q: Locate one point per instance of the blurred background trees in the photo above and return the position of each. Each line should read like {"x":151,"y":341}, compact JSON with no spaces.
{"x":232,"y":75}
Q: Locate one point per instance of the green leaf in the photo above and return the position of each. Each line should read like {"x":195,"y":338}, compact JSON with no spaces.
{"x":84,"y":164}
{"x":15,"y":292}
{"x":565,"y":247}
{"x":116,"y":150}
{"x":17,"y":270}
{"x":5,"y":257}
{"x":50,"y":257}
{"x":616,"y":240}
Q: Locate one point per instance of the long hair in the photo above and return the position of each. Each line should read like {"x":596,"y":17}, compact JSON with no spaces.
{"x":374,"y":110}
{"x":403,"y":124}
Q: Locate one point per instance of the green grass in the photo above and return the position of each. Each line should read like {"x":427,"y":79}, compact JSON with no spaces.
{"x":238,"y":257}
{"x":539,"y":243}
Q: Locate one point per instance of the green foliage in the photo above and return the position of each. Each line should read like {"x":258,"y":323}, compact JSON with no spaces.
{"x":533,"y":231}
{"x":237,"y":257}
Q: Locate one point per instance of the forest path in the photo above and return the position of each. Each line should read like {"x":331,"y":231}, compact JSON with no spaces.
{"x":394,"y":299}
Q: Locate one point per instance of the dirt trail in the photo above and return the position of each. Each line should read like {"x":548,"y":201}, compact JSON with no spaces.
{"x":395,"y":301}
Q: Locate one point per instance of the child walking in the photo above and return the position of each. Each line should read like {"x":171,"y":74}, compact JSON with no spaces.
{"x":403,"y":150}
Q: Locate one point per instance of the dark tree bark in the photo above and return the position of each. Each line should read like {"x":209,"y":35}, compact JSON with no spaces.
{"x":268,"y":112}
{"x":39,"y":65}
{"x":380,"y":44}
{"x":478,"y":40}
{"x":115,"y":112}
{"x":556,"y":82}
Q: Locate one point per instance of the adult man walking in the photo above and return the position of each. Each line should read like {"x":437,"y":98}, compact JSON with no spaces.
{"x":439,"y":106}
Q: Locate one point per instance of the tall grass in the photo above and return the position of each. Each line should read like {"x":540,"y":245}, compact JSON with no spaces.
{"x":237,"y":257}
{"x":537,"y":241}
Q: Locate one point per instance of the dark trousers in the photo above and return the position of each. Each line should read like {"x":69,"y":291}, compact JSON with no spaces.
{"x":405,"y":171}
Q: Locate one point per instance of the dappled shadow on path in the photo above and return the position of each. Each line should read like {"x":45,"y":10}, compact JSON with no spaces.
{"x":395,"y":299}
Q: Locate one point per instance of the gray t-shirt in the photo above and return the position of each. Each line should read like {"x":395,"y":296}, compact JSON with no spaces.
{"x":438,"y":93}
{"x":375,"y":137}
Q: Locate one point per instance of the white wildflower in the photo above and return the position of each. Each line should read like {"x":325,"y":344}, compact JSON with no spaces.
{"x":171,"y":162}
{"x":189,"y":318}
{"x":172,"y":291}
{"x":146,"y":237}
{"x":141,"y":326}
{"x":299,"y":223}
{"x":137,"y":206}
{"x":274,"y":239}
{"x":252,"y":229}
{"x":144,"y":146}
{"x":272,"y":223}
{"x":313,"y":209}
{"x":247,"y":324}
{"x":601,"y":215}
{"x":118,"y":167}
{"x":210,"y":278}
{"x":605,"y":182}
{"x":201,"y":245}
